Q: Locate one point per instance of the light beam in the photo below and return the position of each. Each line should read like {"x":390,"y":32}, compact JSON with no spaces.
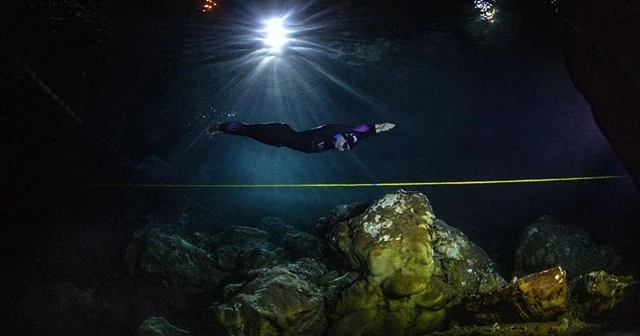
{"x":276,"y":34}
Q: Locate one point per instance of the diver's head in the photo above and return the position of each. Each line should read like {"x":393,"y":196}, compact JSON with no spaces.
{"x":344,"y":141}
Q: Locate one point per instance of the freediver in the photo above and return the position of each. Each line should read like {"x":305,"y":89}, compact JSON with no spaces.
{"x":316,"y":140}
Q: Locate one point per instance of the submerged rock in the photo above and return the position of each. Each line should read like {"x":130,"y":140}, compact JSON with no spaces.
{"x":561,"y":327}
{"x":159,"y":326}
{"x":536,"y":297}
{"x":467,"y":267}
{"x":546,"y":244}
{"x":597,"y":294}
{"x":296,"y":244}
{"x":410,"y":268}
{"x":325,"y":231}
{"x":283,"y":300}
{"x":170,"y":261}
{"x":239,"y":249}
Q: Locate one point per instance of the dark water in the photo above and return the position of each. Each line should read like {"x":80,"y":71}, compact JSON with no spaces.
{"x":471,"y":100}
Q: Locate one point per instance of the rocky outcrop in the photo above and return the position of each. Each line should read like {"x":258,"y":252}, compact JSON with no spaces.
{"x":159,"y":326}
{"x":170,"y":261}
{"x":239,"y":249}
{"x":596,"y":295}
{"x":467,"y":267}
{"x":296,"y":244}
{"x":282,"y":300}
{"x":196,"y":263}
{"x":546,"y":244}
{"x":561,"y":327}
{"x":410,"y":268}
{"x":545,"y":303}
{"x":536,"y":297}
{"x":325,"y":230}
{"x":395,"y":269}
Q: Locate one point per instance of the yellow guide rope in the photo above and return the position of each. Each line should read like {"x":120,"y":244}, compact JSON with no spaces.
{"x":352,"y":185}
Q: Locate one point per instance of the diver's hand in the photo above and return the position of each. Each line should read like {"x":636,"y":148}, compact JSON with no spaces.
{"x":384,"y":127}
{"x":213,"y":130}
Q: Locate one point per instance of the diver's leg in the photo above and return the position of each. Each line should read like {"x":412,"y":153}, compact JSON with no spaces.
{"x":274,"y":134}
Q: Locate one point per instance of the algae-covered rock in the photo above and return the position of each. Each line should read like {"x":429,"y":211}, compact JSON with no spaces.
{"x":325,"y":230}
{"x":540,"y":296}
{"x":404,"y":285}
{"x":159,"y":326}
{"x":283,"y":300}
{"x":546,"y":244}
{"x":392,"y":236}
{"x":596,"y":295}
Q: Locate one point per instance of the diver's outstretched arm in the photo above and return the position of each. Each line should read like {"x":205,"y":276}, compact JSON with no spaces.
{"x":384,"y":127}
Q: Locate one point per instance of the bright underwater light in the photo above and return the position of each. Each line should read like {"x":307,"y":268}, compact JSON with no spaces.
{"x":487,"y":9}
{"x":276,"y":34}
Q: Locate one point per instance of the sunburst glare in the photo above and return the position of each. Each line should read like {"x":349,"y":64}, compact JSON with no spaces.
{"x":256,"y":63}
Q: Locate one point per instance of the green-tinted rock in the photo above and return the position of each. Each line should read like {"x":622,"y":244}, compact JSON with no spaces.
{"x":398,"y":286}
{"x":356,"y":323}
{"x":358,"y":296}
{"x":561,"y":327}
{"x":159,"y":326}
{"x":437,"y":295}
{"x":283,"y":300}
{"x":427,"y":320}
{"x":411,"y":267}
{"x":597,"y":295}
{"x":536,"y":297}
{"x":390,"y":244}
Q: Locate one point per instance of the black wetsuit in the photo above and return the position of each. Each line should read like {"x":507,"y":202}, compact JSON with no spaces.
{"x":315,"y":140}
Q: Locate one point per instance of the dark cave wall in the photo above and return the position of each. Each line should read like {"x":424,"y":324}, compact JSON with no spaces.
{"x":602,"y":47}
